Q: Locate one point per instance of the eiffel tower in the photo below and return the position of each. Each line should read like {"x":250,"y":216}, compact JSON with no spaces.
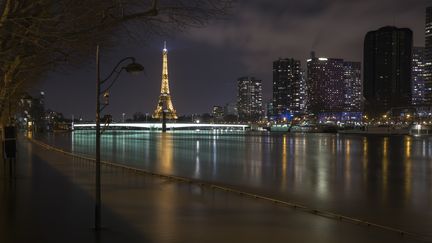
{"x":165,"y":103}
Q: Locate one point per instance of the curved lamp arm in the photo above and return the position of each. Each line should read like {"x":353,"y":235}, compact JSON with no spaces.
{"x":113,"y":81}
{"x":115,"y":68}
{"x":132,"y":67}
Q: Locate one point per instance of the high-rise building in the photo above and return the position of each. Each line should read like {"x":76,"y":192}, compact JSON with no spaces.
{"x":30,"y":112}
{"x":303,"y":92}
{"x":353,"y":87}
{"x":289,"y":88}
{"x":326,"y":85}
{"x":428,"y":58}
{"x":334,"y":85}
{"x":417,"y":77}
{"x":268,"y":110}
{"x":387,"y":69}
{"x":249,"y":98}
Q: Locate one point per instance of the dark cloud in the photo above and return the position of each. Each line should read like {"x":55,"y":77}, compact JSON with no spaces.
{"x":280,"y":7}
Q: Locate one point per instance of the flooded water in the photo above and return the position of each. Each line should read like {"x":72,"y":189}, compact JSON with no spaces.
{"x":382,"y":179}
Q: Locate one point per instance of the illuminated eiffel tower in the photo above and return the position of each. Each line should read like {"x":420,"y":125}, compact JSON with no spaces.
{"x":165,"y":102}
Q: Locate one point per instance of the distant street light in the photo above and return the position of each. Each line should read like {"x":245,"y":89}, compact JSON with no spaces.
{"x":133,"y":67}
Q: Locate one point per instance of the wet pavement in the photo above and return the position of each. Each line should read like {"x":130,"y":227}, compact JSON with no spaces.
{"x":51,"y":200}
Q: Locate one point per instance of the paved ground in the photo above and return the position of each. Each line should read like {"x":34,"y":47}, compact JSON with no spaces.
{"x":51,"y":200}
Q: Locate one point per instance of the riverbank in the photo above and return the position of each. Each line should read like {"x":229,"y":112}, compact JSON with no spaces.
{"x":51,"y":201}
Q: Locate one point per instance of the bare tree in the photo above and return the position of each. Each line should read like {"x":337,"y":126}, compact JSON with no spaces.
{"x":37,"y":36}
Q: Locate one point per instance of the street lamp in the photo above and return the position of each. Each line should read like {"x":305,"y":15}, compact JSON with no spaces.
{"x":132,"y":67}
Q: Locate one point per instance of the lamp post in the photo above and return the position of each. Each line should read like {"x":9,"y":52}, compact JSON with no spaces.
{"x":132,"y":67}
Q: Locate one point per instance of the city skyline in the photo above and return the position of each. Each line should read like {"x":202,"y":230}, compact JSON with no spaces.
{"x":216,"y":121}
{"x":197,"y":61}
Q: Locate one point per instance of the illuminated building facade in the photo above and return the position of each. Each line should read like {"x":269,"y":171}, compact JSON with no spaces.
{"x":326,"y":84}
{"x":165,"y":103}
{"x":387,"y":69}
{"x":428,"y":57}
{"x":353,"y":87}
{"x":30,"y":112}
{"x":268,"y":110}
{"x":334,"y":89}
{"x":417,"y":76}
{"x":289,"y":88}
{"x":249,"y":99}
{"x":218,"y":113}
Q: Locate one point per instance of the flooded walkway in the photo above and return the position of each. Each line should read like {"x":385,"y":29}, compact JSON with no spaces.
{"x":51,"y":200}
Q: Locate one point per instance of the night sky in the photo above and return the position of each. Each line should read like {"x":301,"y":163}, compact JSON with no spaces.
{"x":205,"y":63}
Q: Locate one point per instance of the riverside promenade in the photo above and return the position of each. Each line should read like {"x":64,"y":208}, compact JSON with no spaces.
{"x":51,"y":200}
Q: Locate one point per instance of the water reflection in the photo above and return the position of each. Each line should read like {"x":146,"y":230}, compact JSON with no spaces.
{"x":197,"y":161}
{"x":165,"y":153}
{"x":347,"y":166}
{"x":385,"y":164}
{"x":284,"y":162}
{"x":375,"y":173}
{"x":365,"y":159}
{"x":408,"y":167}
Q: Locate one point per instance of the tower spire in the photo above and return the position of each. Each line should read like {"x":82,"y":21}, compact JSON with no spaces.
{"x":165,"y":102}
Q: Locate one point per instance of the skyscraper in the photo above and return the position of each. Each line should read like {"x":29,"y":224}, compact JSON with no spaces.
{"x":387,"y":69}
{"x":353,"y":87}
{"x":249,"y":98}
{"x":428,"y":57}
{"x":334,"y":85}
{"x":289,"y":87}
{"x":417,"y":76}
{"x":326,"y":84}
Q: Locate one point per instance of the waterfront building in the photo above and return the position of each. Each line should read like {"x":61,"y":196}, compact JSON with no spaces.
{"x":417,"y":77}
{"x":353,"y":87}
{"x":326,"y":84}
{"x":387,"y":69}
{"x":230,"y":109}
{"x":249,"y":99}
{"x":218,"y":113}
{"x":30,"y":112}
{"x":289,"y":88}
{"x":268,"y":110}
{"x":428,"y":58}
{"x":334,"y":89}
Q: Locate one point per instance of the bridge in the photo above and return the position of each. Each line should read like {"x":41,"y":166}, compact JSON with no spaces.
{"x":172,"y":126}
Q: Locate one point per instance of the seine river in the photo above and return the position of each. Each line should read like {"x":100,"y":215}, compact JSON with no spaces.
{"x":382,"y":179}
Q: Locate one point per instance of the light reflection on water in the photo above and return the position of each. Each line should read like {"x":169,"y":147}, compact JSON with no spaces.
{"x":365,"y":176}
